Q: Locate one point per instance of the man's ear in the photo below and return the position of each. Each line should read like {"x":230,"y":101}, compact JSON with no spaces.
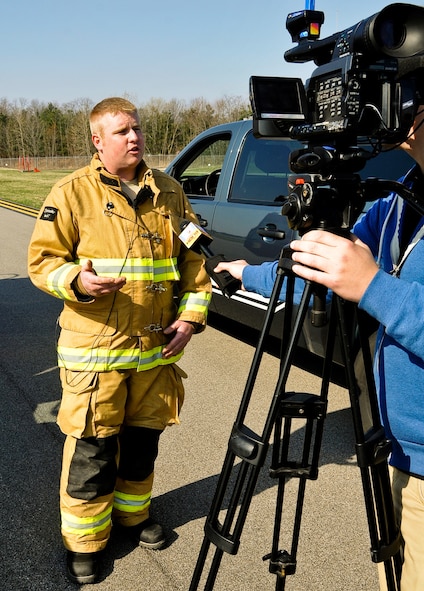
{"x":97,"y":140}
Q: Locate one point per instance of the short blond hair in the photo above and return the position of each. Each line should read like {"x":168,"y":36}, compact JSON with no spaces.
{"x":112,"y":105}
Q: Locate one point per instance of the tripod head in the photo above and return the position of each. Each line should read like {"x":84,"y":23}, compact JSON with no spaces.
{"x":316,"y":202}
{"x":326,"y":190}
{"x":330,"y":195}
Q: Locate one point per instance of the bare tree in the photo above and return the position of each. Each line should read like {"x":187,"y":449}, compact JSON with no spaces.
{"x":78,"y":130}
{"x":232,"y":108}
{"x":37,"y":129}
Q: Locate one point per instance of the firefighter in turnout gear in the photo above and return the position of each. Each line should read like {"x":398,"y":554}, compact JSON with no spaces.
{"x":106,"y":243}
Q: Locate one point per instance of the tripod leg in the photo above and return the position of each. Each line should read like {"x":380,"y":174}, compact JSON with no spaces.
{"x":372,"y":450}
{"x":311,"y":410}
{"x":251,"y":448}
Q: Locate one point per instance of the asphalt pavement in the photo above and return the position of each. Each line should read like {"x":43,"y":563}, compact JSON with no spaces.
{"x":333,"y":552}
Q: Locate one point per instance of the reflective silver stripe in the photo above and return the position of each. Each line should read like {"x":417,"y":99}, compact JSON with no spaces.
{"x":131,"y":503}
{"x":56,"y":281}
{"x":195,"y":302}
{"x":86,"y":525}
{"x":138,"y":269}
{"x":108,"y":360}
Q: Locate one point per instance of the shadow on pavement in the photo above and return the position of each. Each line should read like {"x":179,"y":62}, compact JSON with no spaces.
{"x":31,"y":554}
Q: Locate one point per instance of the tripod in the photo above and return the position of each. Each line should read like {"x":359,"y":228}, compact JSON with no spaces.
{"x":237,"y":481}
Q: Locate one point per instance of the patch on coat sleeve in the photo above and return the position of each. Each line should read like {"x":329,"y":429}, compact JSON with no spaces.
{"x":49,"y":214}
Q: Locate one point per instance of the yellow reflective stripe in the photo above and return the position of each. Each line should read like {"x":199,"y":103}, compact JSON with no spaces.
{"x":195,"y":302}
{"x":97,"y":358}
{"x":56,"y":281}
{"x":166,"y":270}
{"x":114,"y":359}
{"x":138,"y":269}
{"x":149,"y":362}
{"x":131,"y":503}
{"x":85,"y":526}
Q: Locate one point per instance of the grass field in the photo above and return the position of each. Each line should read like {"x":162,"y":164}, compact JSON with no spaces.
{"x":31,"y":188}
{"x":28,"y":188}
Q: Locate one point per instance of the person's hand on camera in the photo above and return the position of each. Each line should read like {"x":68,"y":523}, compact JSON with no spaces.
{"x":234,"y":268}
{"x":346,"y":266}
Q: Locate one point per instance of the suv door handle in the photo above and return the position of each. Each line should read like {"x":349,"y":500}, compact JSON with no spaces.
{"x":271,"y":231}
{"x":202,"y":222}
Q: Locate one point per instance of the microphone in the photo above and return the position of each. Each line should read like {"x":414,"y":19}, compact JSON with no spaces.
{"x":195,"y":238}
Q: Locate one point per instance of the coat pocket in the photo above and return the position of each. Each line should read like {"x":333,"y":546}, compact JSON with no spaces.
{"x":87,"y":322}
{"x":74,"y":417}
{"x":175,"y":400}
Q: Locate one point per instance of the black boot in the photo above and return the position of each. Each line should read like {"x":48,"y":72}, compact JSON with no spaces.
{"x":150,"y":534}
{"x":82,"y":567}
{"x":147,"y":534}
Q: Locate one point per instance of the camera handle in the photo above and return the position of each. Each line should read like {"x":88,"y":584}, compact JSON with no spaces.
{"x":237,"y":482}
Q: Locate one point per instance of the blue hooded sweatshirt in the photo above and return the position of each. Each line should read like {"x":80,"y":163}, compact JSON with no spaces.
{"x":395,"y":298}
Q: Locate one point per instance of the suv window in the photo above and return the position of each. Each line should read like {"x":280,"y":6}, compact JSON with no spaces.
{"x":262,"y":171}
{"x":263,"y":168}
{"x":389,"y":164}
{"x":200,"y":172}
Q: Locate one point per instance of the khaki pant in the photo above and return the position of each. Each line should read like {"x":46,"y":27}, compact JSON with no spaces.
{"x":408,"y":497}
{"x":113,"y":421}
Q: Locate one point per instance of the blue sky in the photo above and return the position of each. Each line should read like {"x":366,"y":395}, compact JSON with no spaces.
{"x":64,"y":51}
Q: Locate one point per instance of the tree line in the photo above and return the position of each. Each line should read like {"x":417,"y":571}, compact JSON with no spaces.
{"x":37,"y":129}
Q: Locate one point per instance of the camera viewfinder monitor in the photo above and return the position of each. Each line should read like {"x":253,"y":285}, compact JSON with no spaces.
{"x":277,"y":104}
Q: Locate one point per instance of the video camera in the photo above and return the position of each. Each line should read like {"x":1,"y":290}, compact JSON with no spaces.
{"x":364,"y":94}
{"x":366,"y":83}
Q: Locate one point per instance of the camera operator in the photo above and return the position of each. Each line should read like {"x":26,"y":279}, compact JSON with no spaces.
{"x":381,"y":267}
